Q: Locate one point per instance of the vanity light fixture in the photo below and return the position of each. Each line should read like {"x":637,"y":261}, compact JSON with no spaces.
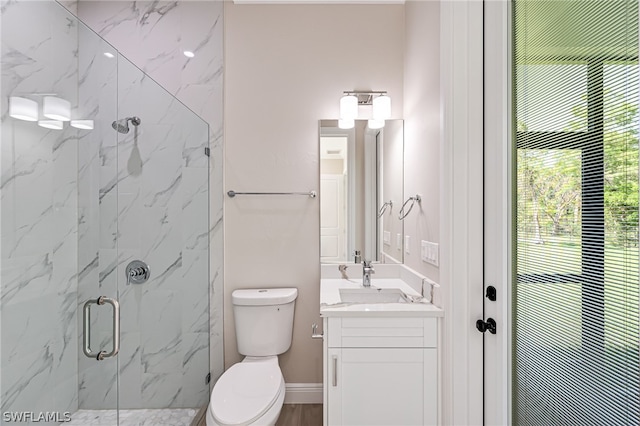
{"x":56,"y":108}
{"x":23,"y":108}
{"x":379,"y":104}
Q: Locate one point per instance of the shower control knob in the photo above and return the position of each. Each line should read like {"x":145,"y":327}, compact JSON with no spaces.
{"x":137,"y":272}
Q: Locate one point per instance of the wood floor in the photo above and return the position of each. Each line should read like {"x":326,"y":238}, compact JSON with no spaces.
{"x":291,"y":415}
{"x":300,"y":415}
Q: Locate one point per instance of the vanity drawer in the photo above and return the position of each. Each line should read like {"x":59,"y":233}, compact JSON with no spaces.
{"x":383,"y":332}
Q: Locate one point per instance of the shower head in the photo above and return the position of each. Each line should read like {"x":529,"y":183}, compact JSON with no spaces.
{"x":122,"y":125}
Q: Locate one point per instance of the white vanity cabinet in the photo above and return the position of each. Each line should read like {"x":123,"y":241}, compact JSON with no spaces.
{"x":381,"y":370}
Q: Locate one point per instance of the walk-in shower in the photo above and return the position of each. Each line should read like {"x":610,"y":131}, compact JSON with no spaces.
{"x":122,"y":125}
{"x":73,"y":216}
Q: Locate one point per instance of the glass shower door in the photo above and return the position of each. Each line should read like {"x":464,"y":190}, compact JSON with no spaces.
{"x":79,"y":201}
{"x":162,"y":199}
{"x":99,"y":343}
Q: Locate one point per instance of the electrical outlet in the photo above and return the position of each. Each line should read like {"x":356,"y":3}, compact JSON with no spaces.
{"x":429,"y":252}
{"x":435,"y":255}
{"x":386,"y":237}
{"x":407,"y":243}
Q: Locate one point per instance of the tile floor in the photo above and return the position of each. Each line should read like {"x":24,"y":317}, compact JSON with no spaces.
{"x":164,"y":417}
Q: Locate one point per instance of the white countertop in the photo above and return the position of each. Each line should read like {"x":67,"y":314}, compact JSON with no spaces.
{"x":331,"y":305}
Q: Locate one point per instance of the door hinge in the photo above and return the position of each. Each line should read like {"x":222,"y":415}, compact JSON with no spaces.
{"x":208,"y":378}
{"x":491,"y":293}
{"x":207,"y":152}
{"x":488,"y":325}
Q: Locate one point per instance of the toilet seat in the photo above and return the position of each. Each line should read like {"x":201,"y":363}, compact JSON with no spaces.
{"x":246,"y":391}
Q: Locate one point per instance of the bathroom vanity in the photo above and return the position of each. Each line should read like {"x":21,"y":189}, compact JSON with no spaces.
{"x":381,"y":355}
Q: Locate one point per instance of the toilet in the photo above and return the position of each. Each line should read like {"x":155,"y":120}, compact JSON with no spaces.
{"x":252,"y":392}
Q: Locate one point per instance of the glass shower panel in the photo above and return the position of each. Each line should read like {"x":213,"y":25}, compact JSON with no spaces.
{"x":76,"y":206}
{"x":44,"y":216}
{"x":163,"y":210}
{"x":97,"y":219}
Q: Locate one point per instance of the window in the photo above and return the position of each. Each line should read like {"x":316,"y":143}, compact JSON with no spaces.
{"x":576,"y":282}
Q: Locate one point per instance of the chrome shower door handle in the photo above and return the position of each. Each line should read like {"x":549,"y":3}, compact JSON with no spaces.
{"x":86,"y":328}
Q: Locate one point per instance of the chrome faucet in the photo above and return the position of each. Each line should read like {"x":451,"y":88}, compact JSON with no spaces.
{"x":367,"y":270}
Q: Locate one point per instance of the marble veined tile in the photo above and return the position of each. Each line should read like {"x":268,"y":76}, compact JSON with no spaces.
{"x":140,"y":417}
{"x":161,"y":390}
{"x":194,"y":181}
{"x":26,"y":278}
{"x":195,"y":390}
{"x":195,"y":291}
{"x":130,"y":366}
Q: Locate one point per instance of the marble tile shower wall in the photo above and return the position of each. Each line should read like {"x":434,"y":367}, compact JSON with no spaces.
{"x":144,"y":195}
{"x":77,"y":205}
{"x":153,"y":35}
{"x":39,"y":225}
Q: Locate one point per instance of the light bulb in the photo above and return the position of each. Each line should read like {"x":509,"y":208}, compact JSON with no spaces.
{"x":346,"y":124}
{"x":382,"y":108}
{"x":23,"y":108}
{"x":51,"y":124}
{"x":349,"y":107}
{"x":375,"y":124}
{"x":56,"y":108}
{"x":82,"y":124}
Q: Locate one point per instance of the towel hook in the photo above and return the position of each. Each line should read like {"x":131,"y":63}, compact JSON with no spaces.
{"x":384,"y":207}
{"x":401,"y":213}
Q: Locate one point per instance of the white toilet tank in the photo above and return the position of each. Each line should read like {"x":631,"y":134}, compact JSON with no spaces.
{"x":264,"y":320}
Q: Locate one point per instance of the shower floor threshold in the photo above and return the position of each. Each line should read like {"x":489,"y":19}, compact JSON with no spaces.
{"x":141,"y":417}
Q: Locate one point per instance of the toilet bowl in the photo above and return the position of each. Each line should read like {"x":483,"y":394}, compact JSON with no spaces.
{"x":252,"y":392}
{"x":249,"y":393}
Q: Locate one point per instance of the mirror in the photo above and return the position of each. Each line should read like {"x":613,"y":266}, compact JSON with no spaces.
{"x":361,"y":192}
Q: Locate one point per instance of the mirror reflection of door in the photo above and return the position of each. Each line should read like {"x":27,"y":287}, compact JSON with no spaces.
{"x":360,"y":170}
{"x":333,"y":193}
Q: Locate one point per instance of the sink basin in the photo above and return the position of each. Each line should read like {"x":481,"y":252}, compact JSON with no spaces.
{"x":372,"y":295}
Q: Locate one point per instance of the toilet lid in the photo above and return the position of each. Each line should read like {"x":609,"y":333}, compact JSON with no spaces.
{"x":245,"y":392}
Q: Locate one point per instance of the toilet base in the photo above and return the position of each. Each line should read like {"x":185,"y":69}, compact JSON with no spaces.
{"x":267,"y":419}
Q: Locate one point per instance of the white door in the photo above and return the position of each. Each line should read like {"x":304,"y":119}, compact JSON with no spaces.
{"x":497,"y":209}
{"x":332,"y":219}
{"x":566,"y":347}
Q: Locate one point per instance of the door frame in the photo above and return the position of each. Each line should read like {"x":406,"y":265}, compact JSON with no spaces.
{"x":498,"y":209}
{"x":475,"y":209}
{"x":461,"y":204}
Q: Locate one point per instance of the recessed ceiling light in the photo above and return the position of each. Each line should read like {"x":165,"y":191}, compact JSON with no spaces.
{"x":189,"y":54}
{"x":109,"y":55}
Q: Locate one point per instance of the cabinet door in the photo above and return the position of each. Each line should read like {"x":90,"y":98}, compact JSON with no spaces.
{"x":382,"y":386}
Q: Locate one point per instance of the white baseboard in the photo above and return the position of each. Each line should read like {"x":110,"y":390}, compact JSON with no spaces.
{"x":303,"y":393}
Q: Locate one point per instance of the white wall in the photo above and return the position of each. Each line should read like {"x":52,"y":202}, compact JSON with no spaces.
{"x":422,"y":129}
{"x":286,"y":68}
